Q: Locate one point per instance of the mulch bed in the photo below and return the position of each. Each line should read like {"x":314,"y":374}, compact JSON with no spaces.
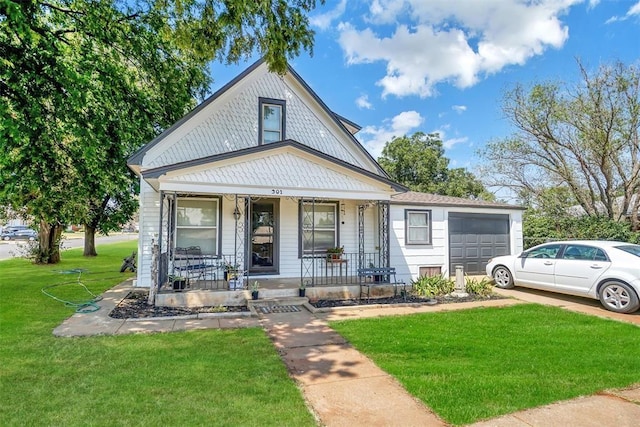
{"x":134,"y":306}
{"x":445,"y":299}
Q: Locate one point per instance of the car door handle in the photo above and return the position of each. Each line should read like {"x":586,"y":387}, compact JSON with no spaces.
{"x":596,"y":267}
{"x":548,"y":263}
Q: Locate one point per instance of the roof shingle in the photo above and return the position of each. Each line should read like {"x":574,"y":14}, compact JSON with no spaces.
{"x":414,"y":197}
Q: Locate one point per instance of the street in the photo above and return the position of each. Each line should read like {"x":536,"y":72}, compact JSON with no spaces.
{"x":11,"y":249}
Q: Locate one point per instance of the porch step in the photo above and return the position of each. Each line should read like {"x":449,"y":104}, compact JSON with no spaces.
{"x":278,"y":301}
{"x":268,"y":309}
{"x":277,"y":305}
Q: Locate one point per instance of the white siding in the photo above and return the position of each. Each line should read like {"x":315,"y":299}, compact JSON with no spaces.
{"x":231,"y":123}
{"x":149,"y":222}
{"x":289,"y":260}
{"x":409,"y":259}
{"x":267,"y":171}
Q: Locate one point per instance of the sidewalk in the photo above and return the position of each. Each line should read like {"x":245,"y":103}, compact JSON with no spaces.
{"x":342,"y":387}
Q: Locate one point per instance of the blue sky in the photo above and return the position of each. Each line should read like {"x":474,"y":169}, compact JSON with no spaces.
{"x":400,"y":66}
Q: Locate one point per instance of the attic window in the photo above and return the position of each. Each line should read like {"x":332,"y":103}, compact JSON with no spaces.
{"x":272,"y":120}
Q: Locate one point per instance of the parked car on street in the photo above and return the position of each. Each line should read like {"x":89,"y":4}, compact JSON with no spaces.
{"x":21,"y":234}
{"x":605,"y":270}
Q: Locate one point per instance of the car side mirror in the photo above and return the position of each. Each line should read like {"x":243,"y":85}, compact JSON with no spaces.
{"x":523,"y":255}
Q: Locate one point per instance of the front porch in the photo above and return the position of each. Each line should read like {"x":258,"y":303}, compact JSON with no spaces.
{"x":322,"y":277}
{"x":268,"y":289}
{"x":223,"y":244}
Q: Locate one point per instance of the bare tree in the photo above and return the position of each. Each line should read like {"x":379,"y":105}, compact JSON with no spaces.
{"x":582,"y":137}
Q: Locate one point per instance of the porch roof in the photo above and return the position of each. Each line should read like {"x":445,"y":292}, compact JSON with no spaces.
{"x":285,"y":168}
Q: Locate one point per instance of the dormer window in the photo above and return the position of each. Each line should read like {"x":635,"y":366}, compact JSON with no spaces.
{"x":272,"y":120}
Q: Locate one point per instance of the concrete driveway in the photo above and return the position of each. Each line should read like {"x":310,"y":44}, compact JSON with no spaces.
{"x":568,"y":302}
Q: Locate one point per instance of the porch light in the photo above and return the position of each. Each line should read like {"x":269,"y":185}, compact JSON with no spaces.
{"x":236,"y":213}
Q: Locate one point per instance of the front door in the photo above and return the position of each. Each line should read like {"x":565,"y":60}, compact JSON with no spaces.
{"x":264,"y":237}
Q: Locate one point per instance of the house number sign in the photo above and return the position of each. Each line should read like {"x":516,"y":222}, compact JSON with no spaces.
{"x":276,"y":191}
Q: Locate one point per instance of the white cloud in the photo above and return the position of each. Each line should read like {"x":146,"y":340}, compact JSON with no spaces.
{"x":458,"y":42}
{"x":324,"y":20}
{"x":374,"y":138}
{"x":459,"y":108}
{"x":633,"y":11}
{"x":363,"y":102}
{"x":449,"y":143}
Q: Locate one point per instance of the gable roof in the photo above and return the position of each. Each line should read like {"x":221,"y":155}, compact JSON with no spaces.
{"x":414,"y":197}
{"x":348,"y":127}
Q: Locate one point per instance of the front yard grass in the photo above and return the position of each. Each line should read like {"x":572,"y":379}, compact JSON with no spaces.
{"x":213,"y":377}
{"x":481,"y":363}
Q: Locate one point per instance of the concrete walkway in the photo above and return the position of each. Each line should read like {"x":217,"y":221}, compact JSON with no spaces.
{"x":342,"y":387}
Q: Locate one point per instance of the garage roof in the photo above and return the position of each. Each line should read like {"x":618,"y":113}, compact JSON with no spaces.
{"x":414,"y":197}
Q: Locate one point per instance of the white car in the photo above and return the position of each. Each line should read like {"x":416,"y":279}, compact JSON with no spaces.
{"x":604,"y":270}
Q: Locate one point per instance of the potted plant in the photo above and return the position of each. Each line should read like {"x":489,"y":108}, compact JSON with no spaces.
{"x":335,"y":252}
{"x":254,"y":290}
{"x":230,"y":270}
{"x":302,"y":290}
{"x":178,"y":283}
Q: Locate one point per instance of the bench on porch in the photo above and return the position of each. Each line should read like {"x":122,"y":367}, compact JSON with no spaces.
{"x":191,"y":263}
{"x":379,"y":276}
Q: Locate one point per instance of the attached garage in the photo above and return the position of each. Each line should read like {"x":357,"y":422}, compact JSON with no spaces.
{"x":474,"y":238}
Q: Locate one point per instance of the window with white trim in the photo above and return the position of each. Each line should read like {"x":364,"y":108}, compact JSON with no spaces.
{"x":319,"y":227}
{"x":197,"y":224}
{"x":272,"y":120}
{"x":417,"y":227}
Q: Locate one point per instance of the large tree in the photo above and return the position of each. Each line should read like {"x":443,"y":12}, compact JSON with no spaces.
{"x":83,"y":84}
{"x":418,"y":161}
{"x":581,"y":138}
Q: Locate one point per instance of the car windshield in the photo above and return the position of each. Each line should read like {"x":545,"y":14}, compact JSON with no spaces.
{"x":632,"y":249}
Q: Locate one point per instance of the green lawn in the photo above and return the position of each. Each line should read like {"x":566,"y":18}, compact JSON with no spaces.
{"x":209,"y":377}
{"x":466,"y":365}
{"x":481,"y":363}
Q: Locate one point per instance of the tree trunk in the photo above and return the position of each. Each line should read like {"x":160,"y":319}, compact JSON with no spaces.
{"x":48,"y":251}
{"x":89,"y":241}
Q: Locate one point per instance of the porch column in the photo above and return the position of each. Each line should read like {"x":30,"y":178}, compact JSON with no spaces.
{"x":241,"y":215}
{"x":361,"y":234}
{"x":166,"y":235}
{"x":308,"y":262}
{"x":383,"y":233}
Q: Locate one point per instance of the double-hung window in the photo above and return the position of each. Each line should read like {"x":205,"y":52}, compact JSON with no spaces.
{"x":197,"y":224}
{"x":418,"y":227}
{"x":272,"y":120}
{"x":318,"y":226}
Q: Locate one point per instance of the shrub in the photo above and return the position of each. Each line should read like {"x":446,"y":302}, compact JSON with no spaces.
{"x":482,"y":287}
{"x":430,"y":286}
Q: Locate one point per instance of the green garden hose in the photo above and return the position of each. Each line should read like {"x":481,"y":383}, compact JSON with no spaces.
{"x":86,"y":306}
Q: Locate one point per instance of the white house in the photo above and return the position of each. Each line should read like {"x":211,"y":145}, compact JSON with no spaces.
{"x":264,"y":177}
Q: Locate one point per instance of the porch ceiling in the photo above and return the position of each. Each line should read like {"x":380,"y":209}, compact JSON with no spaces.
{"x":281,"y":172}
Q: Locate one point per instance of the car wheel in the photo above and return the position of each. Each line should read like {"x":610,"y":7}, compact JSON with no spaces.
{"x":7,"y":238}
{"x":618,"y":297}
{"x":502,"y":277}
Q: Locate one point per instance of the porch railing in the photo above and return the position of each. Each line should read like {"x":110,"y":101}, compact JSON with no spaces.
{"x":218,"y":273}
{"x":329,"y":270}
